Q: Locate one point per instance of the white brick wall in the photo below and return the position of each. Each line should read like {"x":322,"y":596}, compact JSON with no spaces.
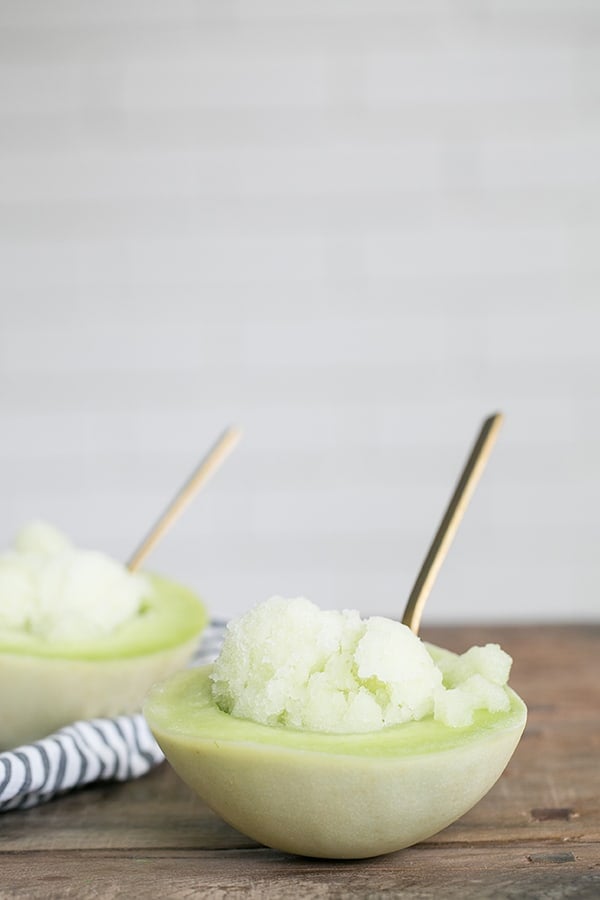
{"x":353,"y":227}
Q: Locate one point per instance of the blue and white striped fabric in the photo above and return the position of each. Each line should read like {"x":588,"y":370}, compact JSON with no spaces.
{"x":79,"y":754}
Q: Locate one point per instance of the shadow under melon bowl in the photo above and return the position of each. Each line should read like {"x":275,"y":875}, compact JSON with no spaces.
{"x":45,"y":685}
{"x":343,"y":796}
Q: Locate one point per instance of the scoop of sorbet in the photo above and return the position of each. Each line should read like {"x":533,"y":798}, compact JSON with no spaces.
{"x":56,"y":591}
{"x":288,"y":663}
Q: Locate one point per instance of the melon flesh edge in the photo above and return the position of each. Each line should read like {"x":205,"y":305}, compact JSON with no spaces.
{"x":40,"y":695}
{"x":338,"y":807}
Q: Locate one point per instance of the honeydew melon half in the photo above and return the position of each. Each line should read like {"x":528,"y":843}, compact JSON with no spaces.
{"x":343,"y":796}
{"x":47,"y":684}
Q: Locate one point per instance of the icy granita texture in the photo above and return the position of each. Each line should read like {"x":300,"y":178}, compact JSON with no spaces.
{"x":51,"y":589}
{"x":288,"y":663}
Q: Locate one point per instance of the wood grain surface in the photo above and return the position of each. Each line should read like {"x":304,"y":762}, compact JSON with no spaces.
{"x":536,"y":834}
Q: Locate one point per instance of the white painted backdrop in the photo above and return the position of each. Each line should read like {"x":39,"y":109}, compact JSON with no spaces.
{"x":352,"y":226}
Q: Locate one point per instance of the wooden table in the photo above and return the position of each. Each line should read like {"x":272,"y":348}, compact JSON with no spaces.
{"x":536,"y":834}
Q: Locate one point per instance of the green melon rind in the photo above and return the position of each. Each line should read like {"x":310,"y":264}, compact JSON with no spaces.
{"x":171,"y":616}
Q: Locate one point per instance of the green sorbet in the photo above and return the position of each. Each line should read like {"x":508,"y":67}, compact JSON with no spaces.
{"x":184,"y":709}
{"x":169,"y":616}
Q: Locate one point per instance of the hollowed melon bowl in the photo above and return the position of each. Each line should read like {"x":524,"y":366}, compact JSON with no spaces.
{"x":45,"y":685}
{"x":329,"y":795}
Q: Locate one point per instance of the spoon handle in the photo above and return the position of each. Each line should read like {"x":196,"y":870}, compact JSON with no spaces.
{"x":203,"y":471}
{"x":448,"y":526}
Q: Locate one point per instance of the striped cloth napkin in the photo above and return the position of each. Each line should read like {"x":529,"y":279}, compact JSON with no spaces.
{"x":96,"y":750}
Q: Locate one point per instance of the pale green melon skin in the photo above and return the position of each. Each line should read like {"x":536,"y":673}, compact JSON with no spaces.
{"x":318,"y":802}
{"x":41,"y":693}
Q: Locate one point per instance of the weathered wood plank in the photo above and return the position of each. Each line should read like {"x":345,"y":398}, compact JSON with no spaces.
{"x":519,"y":871}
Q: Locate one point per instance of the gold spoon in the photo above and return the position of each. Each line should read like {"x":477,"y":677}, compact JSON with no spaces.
{"x":201,"y":474}
{"x":448,"y":527}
